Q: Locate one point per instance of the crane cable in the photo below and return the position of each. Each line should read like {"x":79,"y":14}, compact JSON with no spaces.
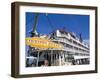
{"x":49,"y":21}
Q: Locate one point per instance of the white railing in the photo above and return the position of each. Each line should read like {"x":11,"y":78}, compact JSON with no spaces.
{"x":72,"y":44}
{"x":74,"y":51}
{"x":65,"y":36}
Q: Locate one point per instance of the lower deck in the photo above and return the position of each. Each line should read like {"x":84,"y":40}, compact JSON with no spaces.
{"x":55,"y":58}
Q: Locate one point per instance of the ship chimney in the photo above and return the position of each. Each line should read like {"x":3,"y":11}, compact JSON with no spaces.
{"x":80,"y":37}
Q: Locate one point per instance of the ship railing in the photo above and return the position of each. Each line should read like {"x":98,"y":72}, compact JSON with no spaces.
{"x":70,"y":43}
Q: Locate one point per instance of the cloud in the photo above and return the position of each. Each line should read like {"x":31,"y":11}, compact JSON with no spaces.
{"x":86,"y":42}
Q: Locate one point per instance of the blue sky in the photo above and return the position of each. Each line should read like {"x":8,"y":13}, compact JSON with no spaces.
{"x":72,"y":23}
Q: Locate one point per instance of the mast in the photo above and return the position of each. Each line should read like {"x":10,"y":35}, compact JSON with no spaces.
{"x":33,"y":32}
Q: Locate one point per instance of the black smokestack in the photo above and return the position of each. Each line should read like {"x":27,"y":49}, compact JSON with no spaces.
{"x":80,"y":37}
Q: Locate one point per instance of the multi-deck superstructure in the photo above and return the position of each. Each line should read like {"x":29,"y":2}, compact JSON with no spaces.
{"x":75,"y":51}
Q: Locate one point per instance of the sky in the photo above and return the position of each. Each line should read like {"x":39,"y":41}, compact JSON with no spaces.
{"x":49,"y":22}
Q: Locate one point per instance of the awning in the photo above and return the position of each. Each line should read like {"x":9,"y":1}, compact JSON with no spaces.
{"x":42,"y":43}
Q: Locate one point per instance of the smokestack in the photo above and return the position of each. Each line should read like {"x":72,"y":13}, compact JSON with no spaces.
{"x":80,"y":37}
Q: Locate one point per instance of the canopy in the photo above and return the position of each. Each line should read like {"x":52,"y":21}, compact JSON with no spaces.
{"x":42,"y":43}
